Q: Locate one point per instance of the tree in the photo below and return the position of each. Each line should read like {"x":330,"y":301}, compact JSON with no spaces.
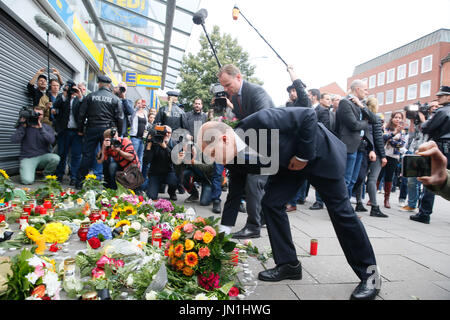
{"x":198,"y":72}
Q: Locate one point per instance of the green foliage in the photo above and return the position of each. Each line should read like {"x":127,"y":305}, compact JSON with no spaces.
{"x":18,"y":287}
{"x":199,"y":71}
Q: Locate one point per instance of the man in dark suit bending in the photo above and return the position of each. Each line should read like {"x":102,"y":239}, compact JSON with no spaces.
{"x":298,"y":148}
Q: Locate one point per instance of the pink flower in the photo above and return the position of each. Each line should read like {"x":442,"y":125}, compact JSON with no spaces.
{"x":188,"y":228}
{"x":98,"y":273}
{"x":119,"y":263}
{"x":102,"y":261}
{"x":198,"y":235}
{"x":210,"y":230}
{"x":233,"y":292}
{"x":39,"y":271}
{"x":203,"y":252}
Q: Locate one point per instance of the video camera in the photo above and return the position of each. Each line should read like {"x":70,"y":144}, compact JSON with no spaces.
{"x":220,"y":101}
{"x":412,"y":111}
{"x":31,"y":117}
{"x":157,"y":132}
{"x":116,"y":143}
{"x":69,"y":87}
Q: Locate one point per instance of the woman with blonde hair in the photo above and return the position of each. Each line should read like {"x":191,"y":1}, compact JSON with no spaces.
{"x":138,"y":124}
{"x":377,"y":160}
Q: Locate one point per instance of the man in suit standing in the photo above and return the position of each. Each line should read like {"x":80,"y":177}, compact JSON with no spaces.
{"x":246,"y":99}
{"x":309,"y":151}
{"x":352,"y":118}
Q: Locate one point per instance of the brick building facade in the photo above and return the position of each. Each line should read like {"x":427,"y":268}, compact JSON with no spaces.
{"x":408,"y":74}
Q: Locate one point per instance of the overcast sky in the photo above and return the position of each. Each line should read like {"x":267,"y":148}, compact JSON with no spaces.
{"x":323,"y":39}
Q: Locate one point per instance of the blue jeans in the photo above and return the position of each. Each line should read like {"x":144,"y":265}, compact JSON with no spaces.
{"x":69,"y":140}
{"x":352,"y":170}
{"x":97,"y":168}
{"x":301,"y":194}
{"x":413,"y":192}
{"x":138,"y":146}
{"x":216,"y":187}
{"x":93,"y":137}
{"x":156,"y":180}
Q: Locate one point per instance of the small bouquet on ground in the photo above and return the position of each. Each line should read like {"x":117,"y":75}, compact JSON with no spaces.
{"x":50,"y":189}
{"x":91,"y":183}
{"x":97,"y":233}
{"x":233,"y":122}
{"x":32,"y":278}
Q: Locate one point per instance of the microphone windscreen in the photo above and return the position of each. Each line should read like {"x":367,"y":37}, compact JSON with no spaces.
{"x":200,"y":16}
{"x":49,"y":26}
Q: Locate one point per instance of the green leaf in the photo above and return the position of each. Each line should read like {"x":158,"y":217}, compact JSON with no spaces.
{"x":229,"y":246}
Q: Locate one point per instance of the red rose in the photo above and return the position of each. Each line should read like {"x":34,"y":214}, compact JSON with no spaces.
{"x":233,"y":292}
{"x":94,"y":242}
{"x":141,"y":198}
{"x":54,"y":247}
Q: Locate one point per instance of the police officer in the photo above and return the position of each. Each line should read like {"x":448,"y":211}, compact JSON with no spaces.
{"x":99,"y":111}
{"x":172,"y":115}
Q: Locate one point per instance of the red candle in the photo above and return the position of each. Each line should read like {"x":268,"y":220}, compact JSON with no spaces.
{"x":235,"y":256}
{"x":313,"y":249}
{"x":43,"y":211}
{"x":47,"y":204}
{"x":37,"y":209}
{"x":2,"y":217}
{"x":27,"y":209}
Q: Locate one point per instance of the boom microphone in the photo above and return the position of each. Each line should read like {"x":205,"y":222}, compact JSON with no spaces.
{"x":49,"y":26}
{"x":200,"y":16}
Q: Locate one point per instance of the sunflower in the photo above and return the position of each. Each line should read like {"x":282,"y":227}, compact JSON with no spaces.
{"x":191,"y":259}
{"x":90,"y":176}
{"x":122,"y":223}
{"x":50,"y":177}
{"x":5,"y":175}
{"x":188,"y":271}
{"x":179,"y":250}
{"x":130,"y":210}
{"x":31,"y":233}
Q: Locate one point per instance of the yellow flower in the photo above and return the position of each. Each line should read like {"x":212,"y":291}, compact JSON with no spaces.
{"x":132,"y":192}
{"x":189,"y":244}
{"x":179,"y":250}
{"x":50,"y":177}
{"x":176,"y":235}
{"x":207,"y":237}
{"x":56,"y":232}
{"x":32,"y":233}
{"x":91,"y":176}
{"x":188,"y":271}
{"x":191,"y":259}
{"x":5,"y":175}
{"x":130,"y":210}
{"x":122,"y":223}
{"x":171,"y":251}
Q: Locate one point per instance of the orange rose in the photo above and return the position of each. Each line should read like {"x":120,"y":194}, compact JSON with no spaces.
{"x":188,"y":271}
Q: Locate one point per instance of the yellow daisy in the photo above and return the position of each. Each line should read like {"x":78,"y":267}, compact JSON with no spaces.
{"x":5,"y":175}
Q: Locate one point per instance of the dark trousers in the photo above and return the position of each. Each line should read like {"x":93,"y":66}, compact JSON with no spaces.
{"x":192,"y":175}
{"x":253,"y":187}
{"x":350,"y":232}
{"x":69,"y":140}
{"x":156,"y":180}
{"x":110,"y":168}
{"x":92,"y":138}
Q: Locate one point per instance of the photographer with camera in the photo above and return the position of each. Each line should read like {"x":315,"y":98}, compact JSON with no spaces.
{"x":67,"y":107}
{"x":437,"y":127}
{"x":36,"y":139}
{"x":37,"y":90}
{"x":121,"y":92}
{"x":158,"y":153}
{"x":121,"y":151}
{"x":47,"y":101}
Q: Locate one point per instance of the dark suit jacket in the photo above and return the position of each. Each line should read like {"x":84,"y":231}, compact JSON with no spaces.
{"x":348,"y":125}
{"x":299,"y":135}
{"x":253,"y":99}
{"x":63,"y":107}
{"x":323,"y":115}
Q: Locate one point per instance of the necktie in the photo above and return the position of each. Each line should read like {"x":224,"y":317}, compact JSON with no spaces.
{"x":240,"y":105}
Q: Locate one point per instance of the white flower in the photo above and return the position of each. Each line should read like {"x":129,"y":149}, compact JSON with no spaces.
{"x":35,"y":261}
{"x":125,"y":228}
{"x":151,"y":295}
{"x":136,"y":225}
{"x":52,"y":283}
{"x":190,"y":214}
{"x":111,"y":222}
{"x":130,"y":280}
{"x":32,"y":277}
{"x":201,"y":296}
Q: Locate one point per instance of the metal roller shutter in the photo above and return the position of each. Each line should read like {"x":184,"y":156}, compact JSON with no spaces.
{"x":21,"y":55}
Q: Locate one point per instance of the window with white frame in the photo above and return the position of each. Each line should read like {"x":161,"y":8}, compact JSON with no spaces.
{"x":413,"y":68}
{"x":390,"y":75}
{"x":381,"y":78}
{"x":390,"y":96}
{"x":427,"y":63}
{"x":400,"y":94}
{"x":380,"y":98}
{"x":412,"y":91}
{"x":401,"y":72}
{"x":425,"y":88}
{"x":372,"y":81}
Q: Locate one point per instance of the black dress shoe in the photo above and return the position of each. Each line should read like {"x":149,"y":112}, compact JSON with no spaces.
{"x":246,"y":233}
{"x":365,"y":291}
{"x":420,"y":218}
{"x":216,"y":207}
{"x":242,"y":208}
{"x":282,"y":272}
{"x":360,"y":208}
{"x":375,"y":212}
{"x":192,"y":198}
{"x":316,"y":206}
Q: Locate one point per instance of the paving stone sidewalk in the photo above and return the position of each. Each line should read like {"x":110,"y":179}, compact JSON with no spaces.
{"x":414,"y":258}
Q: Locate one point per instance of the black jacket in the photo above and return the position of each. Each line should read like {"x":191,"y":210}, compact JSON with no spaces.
{"x":323,"y":116}
{"x":63,"y":107}
{"x":160,"y":159}
{"x":101,"y":109}
{"x":253,"y":99}
{"x":175,"y":120}
{"x":438,"y":127}
{"x":302,"y":96}
{"x":192,"y":117}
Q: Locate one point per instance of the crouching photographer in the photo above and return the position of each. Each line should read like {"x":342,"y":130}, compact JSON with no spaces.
{"x":118,"y":157}
{"x":157,"y":152}
{"x":36,"y":139}
{"x":195,"y":173}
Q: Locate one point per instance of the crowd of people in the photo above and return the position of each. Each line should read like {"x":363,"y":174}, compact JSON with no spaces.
{"x":337,"y":144}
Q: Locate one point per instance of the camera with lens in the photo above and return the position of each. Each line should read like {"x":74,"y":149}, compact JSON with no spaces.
{"x":220,"y":101}
{"x":31,"y":117}
{"x":69,"y":87}
{"x":116,"y":143}
{"x":412,"y":111}
{"x":157,"y":132}
{"x":188,"y":146}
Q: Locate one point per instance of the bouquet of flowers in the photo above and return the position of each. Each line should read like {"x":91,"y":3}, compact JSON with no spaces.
{"x":32,"y":278}
{"x":91,"y":183}
{"x":231,"y":122}
{"x":51,"y":188}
